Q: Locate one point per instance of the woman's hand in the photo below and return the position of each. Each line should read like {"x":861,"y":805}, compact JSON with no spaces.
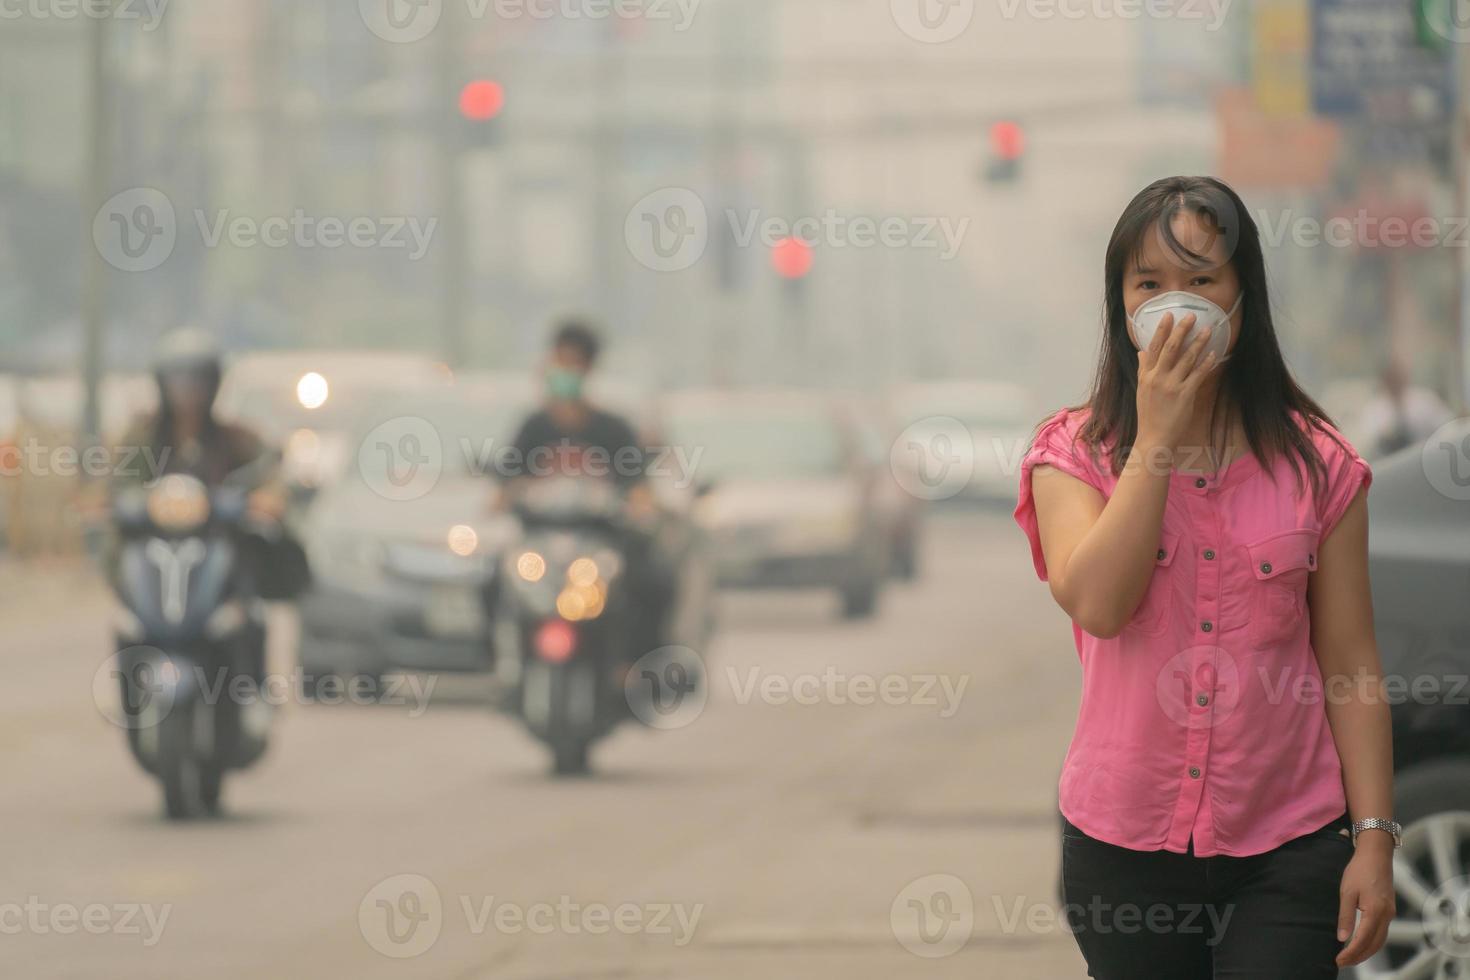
{"x":1169,"y":377}
{"x":1367,"y":884}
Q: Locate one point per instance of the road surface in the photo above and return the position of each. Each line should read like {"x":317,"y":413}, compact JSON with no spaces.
{"x":870,"y":799}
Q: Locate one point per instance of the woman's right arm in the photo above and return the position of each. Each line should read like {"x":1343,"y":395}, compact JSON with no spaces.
{"x":1100,"y":553}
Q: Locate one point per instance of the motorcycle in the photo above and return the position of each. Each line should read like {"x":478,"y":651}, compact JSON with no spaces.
{"x":567,"y":618}
{"x":191,"y":635}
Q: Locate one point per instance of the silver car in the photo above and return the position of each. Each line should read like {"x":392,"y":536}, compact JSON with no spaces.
{"x":788,"y":494}
{"x":405,"y":544}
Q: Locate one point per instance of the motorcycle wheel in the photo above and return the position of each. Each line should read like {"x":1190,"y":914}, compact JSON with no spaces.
{"x":211,"y":787}
{"x":179,"y":772}
{"x":569,"y":758}
{"x":567,"y":684}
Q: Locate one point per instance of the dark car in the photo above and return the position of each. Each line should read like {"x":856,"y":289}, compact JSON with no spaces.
{"x":402,"y":559}
{"x":1419,"y":553}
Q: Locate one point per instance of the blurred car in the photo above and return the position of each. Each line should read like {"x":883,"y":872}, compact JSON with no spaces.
{"x":787,"y":495}
{"x":1419,"y":562}
{"x":996,"y":416}
{"x":306,"y":401}
{"x":401,"y":559}
{"x":900,"y":513}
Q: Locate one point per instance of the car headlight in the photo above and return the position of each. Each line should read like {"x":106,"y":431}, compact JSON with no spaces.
{"x":826,"y":530}
{"x":463,"y":540}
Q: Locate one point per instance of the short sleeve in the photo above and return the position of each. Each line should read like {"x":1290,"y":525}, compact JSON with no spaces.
{"x":1347,"y":473}
{"x":1055,"y":444}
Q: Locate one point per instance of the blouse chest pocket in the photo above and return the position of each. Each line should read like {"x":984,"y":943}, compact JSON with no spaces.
{"x":1280,"y":566}
{"x":1151,"y":616}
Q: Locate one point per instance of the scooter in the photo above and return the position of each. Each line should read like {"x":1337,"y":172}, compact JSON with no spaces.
{"x":190,"y":637}
{"x":566,"y":620}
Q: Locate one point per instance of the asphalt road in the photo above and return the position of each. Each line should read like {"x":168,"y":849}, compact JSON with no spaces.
{"x":856,"y":800}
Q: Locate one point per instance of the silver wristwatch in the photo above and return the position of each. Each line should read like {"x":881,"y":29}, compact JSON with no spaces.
{"x":1378,"y":823}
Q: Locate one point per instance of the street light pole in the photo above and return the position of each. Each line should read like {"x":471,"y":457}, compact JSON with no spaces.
{"x":94,"y":271}
{"x":1460,"y":164}
{"x":452,"y":258}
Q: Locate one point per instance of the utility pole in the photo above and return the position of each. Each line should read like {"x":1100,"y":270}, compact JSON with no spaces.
{"x":452,"y":258}
{"x":94,"y":270}
{"x":1460,"y":165}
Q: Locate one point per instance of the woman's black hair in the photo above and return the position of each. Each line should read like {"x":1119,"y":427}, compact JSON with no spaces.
{"x":1274,"y":411}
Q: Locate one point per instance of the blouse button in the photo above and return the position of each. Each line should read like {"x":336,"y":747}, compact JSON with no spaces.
{"x":1194,"y":772}
{"x":1207,"y":626}
{"x":1265,"y":568}
{"x":1311,"y":559}
{"x":1200,"y":483}
{"x":1161,"y":554}
{"x":1209,"y":554}
{"x":1202,"y":700}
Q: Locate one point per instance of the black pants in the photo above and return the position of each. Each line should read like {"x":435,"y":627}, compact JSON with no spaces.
{"x":1141,"y":915}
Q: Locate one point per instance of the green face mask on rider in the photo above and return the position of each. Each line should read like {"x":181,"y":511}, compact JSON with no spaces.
{"x":563,"y":384}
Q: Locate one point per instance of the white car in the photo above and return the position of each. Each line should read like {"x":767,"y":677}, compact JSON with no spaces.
{"x":306,"y":401}
{"x":787,"y":495}
{"x":982,"y":427}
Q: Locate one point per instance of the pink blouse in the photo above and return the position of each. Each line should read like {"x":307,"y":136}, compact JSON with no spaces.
{"x":1207,"y":715}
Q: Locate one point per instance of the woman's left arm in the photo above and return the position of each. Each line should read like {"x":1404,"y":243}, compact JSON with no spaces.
{"x":1347,"y":653}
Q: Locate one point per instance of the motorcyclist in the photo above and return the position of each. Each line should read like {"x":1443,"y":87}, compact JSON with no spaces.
{"x":571,"y":436}
{"x":183,"y":436}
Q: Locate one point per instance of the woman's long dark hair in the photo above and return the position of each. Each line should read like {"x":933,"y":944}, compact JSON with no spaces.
{"x":1256,"y":383}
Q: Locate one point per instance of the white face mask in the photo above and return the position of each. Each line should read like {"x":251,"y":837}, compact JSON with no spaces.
{"x":1144,"y":322}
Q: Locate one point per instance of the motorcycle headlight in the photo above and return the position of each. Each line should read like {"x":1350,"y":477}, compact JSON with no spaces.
{"x":178,"y":503}
{"x":530,"y":566}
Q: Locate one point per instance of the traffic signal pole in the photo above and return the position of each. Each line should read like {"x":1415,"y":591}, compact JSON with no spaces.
{"x":451,"y":244}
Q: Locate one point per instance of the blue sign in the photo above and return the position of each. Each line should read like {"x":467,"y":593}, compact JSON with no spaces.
{"x":1368,"y":65}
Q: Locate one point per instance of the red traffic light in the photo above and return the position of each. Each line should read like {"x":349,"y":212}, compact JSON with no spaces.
{"x":1008,"y":140}
{"x":791,"y":258}
{"x":481,"y":100}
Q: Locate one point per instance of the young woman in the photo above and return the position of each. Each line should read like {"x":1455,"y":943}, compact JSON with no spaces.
{"x":1227,"y":797}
